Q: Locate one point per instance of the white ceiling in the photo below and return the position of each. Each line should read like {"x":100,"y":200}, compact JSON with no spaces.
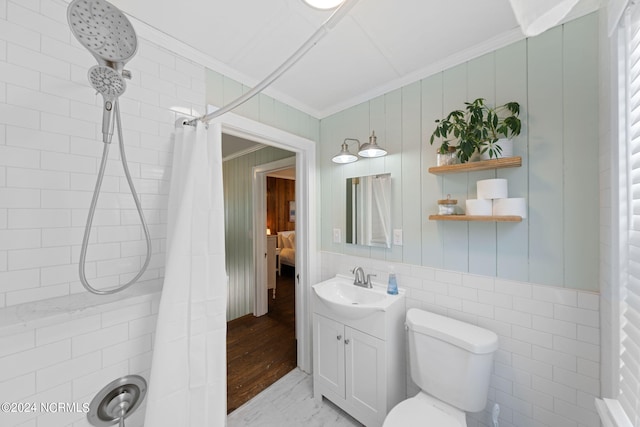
{"x":233,"y":146}
{"x":289,"y":173}
{"x":379,"y":46}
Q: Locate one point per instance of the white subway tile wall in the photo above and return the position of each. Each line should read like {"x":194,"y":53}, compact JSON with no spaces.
{"x":68,"y":358}
{"x":547,"y":369}
{"x":50,"y":149}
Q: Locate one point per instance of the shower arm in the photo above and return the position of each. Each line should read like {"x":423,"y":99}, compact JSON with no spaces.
{"x":324,"y":29}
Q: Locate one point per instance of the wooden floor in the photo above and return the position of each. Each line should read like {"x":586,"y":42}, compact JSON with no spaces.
{"x":261,"y":350}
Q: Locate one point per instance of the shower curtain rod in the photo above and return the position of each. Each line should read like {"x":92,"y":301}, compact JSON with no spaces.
{"x":324,"y":29}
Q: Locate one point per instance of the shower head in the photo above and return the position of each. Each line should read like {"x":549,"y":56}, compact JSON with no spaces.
{"x":106,"y":81}
{"x":111,"y":85}
{"x":104,"y":30}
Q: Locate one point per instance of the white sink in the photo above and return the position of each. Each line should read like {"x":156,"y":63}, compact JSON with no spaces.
{"x":341,"y":296}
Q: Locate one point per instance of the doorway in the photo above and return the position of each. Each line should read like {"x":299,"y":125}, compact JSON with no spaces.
{"x":262,"y":258}
{"x":261,"y":345}
{"x":307,"y":265}
{"x":307,"y":256}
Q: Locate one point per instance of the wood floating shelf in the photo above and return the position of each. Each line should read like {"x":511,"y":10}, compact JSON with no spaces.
{"x":504,"y":162}
{"x":485,"y":218}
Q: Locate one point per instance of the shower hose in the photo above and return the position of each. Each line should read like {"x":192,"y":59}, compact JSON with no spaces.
{"x":92,"y":211}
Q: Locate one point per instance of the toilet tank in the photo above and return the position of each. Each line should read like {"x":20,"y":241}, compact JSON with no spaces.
{"x":449,"y":359}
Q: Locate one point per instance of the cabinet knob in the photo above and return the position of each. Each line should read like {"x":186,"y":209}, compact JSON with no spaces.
{"x":339,"y":337}
{"x":346,"y":341}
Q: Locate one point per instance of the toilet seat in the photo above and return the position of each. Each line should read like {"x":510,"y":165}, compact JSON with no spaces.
{"x":424,"y":411}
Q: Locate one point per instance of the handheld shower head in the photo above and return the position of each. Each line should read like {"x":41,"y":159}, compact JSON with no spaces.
{"x":104,"y":30}
{"x":111,"y":85}
{"x":108,"y":35}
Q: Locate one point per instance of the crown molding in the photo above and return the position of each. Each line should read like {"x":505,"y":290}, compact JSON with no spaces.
{"x":160,"y":38}
{"x":458,"y":58}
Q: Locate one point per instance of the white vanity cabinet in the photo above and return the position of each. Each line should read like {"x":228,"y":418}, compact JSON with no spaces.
{"x":359,"y":364}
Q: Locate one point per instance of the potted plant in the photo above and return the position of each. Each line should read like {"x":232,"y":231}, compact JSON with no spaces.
{"x":479,"y":128}
{"x":500,"y":125}
{"x":454,"y":129}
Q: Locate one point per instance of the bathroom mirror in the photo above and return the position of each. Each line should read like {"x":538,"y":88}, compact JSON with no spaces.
{"x":369,"y":210}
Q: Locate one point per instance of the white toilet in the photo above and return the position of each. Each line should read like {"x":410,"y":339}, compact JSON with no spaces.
{"x":451,"y":363}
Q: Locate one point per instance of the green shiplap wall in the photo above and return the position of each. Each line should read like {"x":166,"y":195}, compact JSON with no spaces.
{"x":238,"y":228}
{"x":554,"y":77}
{"x":221,"y":90}
{"x":237,"y":180}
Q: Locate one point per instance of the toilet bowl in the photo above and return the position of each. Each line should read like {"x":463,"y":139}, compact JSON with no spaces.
{"x":424,"y":410}
{"x":451,"y":362}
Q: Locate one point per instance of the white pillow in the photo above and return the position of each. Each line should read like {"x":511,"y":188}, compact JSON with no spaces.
{"x":286,"y":242}
{"x":292,"y":241}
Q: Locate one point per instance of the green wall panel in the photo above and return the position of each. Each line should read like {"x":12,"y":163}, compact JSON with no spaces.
{"x":554,"y":77}
{"x":262,"y":108}
{"x":581,"y":186}
{"x":393,"y":141}
{"x":512,"y":243}
{"x":238,"y":204}
{"x":455,"y":235}
{"x":432,"y":110}
{"x":410,"y":174}
{"x":546,"y":195}
{"x":481,"y":83}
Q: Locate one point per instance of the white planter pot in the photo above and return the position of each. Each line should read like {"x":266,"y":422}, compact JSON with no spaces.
{"x":507,"y":149}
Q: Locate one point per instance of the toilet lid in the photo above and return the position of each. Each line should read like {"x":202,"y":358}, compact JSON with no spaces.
{"x":414,"y":413}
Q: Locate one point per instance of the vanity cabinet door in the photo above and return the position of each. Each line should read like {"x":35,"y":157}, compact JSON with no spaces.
{"x":366,"y":378}
{"x":329,"y":355}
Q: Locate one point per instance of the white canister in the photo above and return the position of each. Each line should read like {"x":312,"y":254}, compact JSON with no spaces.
{"x":506,"y":146}
{"x":481,"y":207}
{"x":513,"y":206}
{"x":492,"y":189}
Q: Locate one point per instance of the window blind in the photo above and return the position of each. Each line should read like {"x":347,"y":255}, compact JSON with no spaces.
{"x":629,"y":396}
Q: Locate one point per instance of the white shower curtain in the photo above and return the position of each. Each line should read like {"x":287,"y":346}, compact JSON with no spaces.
{"x":187,"y":386}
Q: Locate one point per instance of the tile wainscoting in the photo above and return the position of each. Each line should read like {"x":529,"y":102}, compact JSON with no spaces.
{"x":66,"y":349}
{"x":547,"y":369}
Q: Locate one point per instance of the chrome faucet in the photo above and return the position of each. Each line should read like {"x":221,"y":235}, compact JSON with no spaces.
{"x":359,"y":279}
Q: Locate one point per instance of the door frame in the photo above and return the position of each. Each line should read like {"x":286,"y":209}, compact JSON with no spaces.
{"x":307,"y":255}
{"x":260,"y":172}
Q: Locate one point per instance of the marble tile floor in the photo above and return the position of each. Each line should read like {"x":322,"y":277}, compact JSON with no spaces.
{"x":289,"y":402}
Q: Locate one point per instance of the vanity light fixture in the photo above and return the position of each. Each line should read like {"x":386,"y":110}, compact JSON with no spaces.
{"x":370,"y":149}
{"x":345,"y":156}
{"x":323,"y":4}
